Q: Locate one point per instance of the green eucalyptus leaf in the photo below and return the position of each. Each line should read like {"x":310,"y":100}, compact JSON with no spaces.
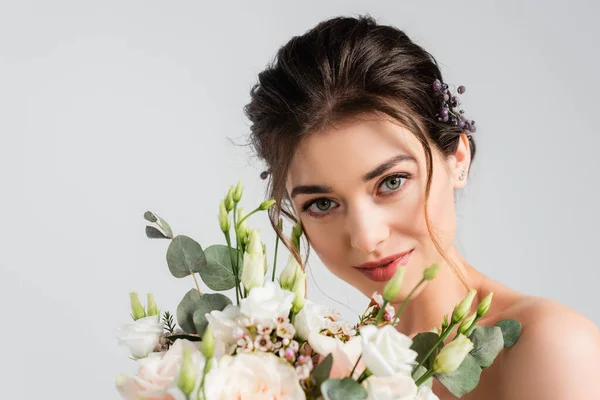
{"x":185,"y":310}
{"x":154,"y":233}
{"x":150,"y":217}
{"x":163,"y":224}
{"x":464,"y":379}
{"x":185,"y":256}
{"x":320,"y":374}
{"x":424,"y":342}
{"x":343,"y":389}
{"x":218,"y":272}
{"x":511,"y":331}
{"x":487,"y":344}
{"x":206,"y":304}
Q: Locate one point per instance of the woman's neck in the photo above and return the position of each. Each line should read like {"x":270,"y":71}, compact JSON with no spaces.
{"x":438,"y":297}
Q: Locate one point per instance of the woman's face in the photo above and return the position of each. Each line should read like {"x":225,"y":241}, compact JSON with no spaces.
{"x":359,"y":191}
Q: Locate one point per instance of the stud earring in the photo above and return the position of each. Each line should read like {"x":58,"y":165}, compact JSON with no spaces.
{"x":462,"y":174}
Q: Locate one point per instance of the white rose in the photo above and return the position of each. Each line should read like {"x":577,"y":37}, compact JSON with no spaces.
{"x":157,"y":374}
{"x":255,"y":376}
{"x":387,"y":351}
{"x":141,"y":336}
{"x":391,"y":387}
{"x":311,"y":318}
{"x":267,"y":302}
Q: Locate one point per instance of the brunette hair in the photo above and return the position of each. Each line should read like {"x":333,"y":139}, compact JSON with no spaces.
{"x":341,"y":69}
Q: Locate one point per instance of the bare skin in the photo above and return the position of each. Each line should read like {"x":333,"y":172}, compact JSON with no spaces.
{"x":350,"y":220}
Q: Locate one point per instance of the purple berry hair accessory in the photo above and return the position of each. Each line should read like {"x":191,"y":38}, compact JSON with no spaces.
{"x":449,"y":110}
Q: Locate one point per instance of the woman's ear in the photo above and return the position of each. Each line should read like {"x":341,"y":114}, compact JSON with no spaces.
{"x":461,"y":162}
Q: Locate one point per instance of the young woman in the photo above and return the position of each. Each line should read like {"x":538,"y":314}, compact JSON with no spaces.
{"x":366,"y":145}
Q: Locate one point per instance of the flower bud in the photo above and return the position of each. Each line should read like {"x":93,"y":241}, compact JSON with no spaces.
{"x":392,"y":288}
{"x":452,"y":355}
{"x":463,"y":308}
{"x":265,"y":205}
{"x":445,"y":322}
{"x":208,"y":342}
{"x":297,"y":234}
{"x":485,"y":304}
{"x":229,"y":199}
{"x":430,"y":273}
{"x":151,"y":307}
{"x":137,"y":309}
{"x":288,"y":275}
{"x":224,"y":217}
{"x":243,"y":227}
{"x":253,"y":270}
{"x":436,"y":330}
{"x":264,"y":251}
{"x":237,"y":194}
{"x":299,"y":290}
{"x":186,"y":380}
{"x":466,"y":324}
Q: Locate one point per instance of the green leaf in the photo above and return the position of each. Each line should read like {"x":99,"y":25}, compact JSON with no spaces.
{"x":218,"y":272}
{"x":163,"y":224}
{"x":185,"y":310}
{"x":464,"y":379}
{"x":154,"y":233}
{"x":511,"y":331}
{"x":206,"y":304}
{"x":320,"y":374}
{"x":185,"y":256}
{"x":488,"y":343}
{"x":149,"y":216}
{"x":343,"y":389}
{"x":193,"y":303}
{"x":424,"y":342}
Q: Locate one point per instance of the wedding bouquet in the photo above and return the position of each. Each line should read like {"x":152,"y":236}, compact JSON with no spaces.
{"x":273,"y":343}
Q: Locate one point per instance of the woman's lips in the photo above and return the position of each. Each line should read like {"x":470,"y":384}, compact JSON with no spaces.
{"x":385,"y":272}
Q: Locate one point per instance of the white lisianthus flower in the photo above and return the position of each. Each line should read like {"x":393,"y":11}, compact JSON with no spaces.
{"x":267,"y":302}
{"x":345,"y":354}
{"x":256,"y":376}
{"x":386,"y":351}
{"x":141,"y":336}
{"x":312,"y":318}
{"x":223,"y":324}
{"x":425,"y":393}
{"x":452,"y":355}
{"x":253,"y":271}
{"x":157,"y":376}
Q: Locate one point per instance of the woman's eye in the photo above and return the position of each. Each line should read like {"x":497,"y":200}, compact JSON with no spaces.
{"x":393,"y":183}
{"x":319,"y":206}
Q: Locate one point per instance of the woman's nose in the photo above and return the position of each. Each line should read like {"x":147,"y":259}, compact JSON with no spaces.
{"x":368,"y":229}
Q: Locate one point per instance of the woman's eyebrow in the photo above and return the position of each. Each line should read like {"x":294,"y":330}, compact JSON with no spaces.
{"x":392,"y":162}
{"x":380,"y":170}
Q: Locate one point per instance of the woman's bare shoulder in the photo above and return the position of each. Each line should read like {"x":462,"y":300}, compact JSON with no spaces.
{"x":556,"y":355}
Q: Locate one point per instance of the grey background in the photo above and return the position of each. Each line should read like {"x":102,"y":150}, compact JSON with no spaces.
{"x":109,"y":109}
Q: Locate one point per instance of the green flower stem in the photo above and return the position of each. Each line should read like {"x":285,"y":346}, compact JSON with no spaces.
{"x":405,"y":302}
{"x":364,"y":375}
{"x":443,"y":337}
{"x":241,"y":221}
{"x":380,"y":313}
{"x":275,"y":258}
{"x":424,"y":377}
{"x":234,"y":266}
{"x":238,"y":244}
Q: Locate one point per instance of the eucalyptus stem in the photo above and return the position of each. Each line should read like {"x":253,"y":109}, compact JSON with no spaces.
{"x":405,"y":302}
{"x":234,"y":266}
{"x":443,"y":337}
